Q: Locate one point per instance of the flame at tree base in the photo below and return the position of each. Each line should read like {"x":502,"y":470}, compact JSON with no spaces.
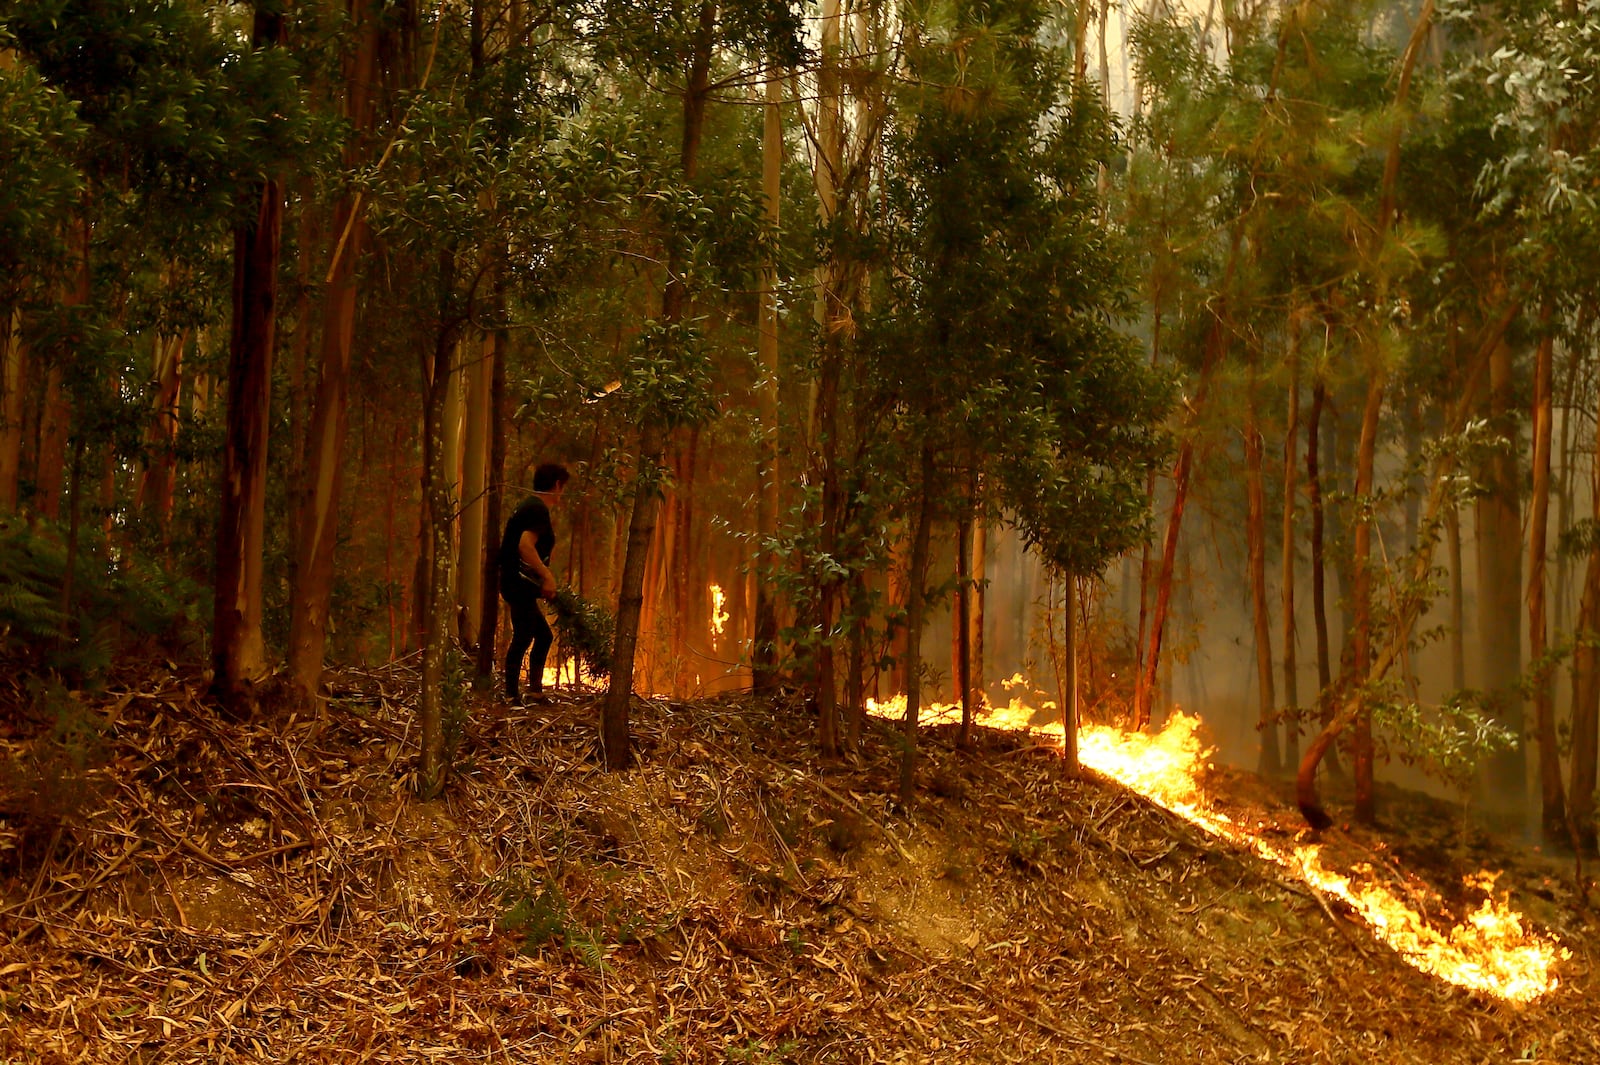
{"x":1490,"y":952}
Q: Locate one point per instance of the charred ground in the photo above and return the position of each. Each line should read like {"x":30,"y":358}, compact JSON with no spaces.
{"x":177,"y":888}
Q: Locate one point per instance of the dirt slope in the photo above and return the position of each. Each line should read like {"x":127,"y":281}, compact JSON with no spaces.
{"x":270,"y":892}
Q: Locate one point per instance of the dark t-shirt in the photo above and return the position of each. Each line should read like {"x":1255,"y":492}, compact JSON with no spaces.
{"x":533,"y":516}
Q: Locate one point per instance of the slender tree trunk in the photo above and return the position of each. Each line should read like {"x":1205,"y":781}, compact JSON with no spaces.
{"x":1361,"y":591}
{"x":614,"y":728}
{"x":1319,"y":568}
{"x":69,"y":574}
{"x":980,"y":548}
{"x":1458,"y":602}
{"x":470,"y":588}
{"x":1269,"y":756}
{"x":238,"y":650}
{"x":439,"y":510}
{"x":1216,"y":342}
{"x":764,"y":652}
{"x":834,"y":321}
{"x":488,"y":623}
{"x":1412,"y":599}
{"x":1291,"y":673}
{"x":1586,"y":693}
{"x":1553,"y":802}
{"x":916,"y":597}
{"x":318,"y":535}
{"x":12,"y":376}
{"x":962,"y":629}
{"x":154,"y":497}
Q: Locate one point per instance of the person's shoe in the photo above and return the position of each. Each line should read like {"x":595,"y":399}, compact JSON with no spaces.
{"x":538,"y":698}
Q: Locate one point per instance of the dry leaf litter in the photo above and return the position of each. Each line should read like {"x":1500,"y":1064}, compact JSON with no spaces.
{"x":273,"y":891}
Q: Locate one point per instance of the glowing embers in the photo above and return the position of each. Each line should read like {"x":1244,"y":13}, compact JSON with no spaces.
{"x":1490,"y":952}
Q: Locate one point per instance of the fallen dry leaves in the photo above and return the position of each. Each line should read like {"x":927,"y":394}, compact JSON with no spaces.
{"x":272,"y":891}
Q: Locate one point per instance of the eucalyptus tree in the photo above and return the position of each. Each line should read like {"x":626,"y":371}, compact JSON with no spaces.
{"x":1531,"y":80}
{"x":666,"y":380}
{"x":185,"y":123}
{"x":1002,"y":287}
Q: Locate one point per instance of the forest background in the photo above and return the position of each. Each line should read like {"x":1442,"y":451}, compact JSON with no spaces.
{"x":834,"y":310}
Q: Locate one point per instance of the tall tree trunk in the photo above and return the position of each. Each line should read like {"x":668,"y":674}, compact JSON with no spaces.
{"x":1068,"y":684}
{"x":764,"y":650}
{"x":614,"y":728}
{"x":962,"y":627}
{"x":439,"y":510}
{"x":238,"y":651}
{"x":1412,"y":599}
{"x":489,"y":562}
{"x":1319,"y":568}
{"x":980,"y":548}
{"x":1269,"y":756}
{"x":154,"y":496}
{"x":12,"y":377}
{"x":916,"y":598}
{"x":834,"y":322}
{"x":1216,"y":342}
{"x":318,"y":534}
{"x":1553,"y":803}
{"x":1499,"y":537}
{"x":470,"y":589}
{"x":1361,"y":592}
{"x":1458,"y":601}
{"x":1291,"y":672}
{"x":1586,"y":692}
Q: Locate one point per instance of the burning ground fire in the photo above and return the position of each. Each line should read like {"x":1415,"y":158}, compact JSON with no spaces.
{"x":1491,"y":952}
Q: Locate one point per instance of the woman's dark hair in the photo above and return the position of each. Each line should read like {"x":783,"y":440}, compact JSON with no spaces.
{"x":549,"y":475}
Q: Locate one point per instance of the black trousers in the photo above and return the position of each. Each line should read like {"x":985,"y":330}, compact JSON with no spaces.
{"x":529,"y":629}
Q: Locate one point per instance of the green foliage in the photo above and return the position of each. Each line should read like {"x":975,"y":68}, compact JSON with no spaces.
{"x":586,"y":630}
{"x":120,"y":603}
{"x":1450,"y":741}
{"x":538,"y":911}
{"x":999,"y":335}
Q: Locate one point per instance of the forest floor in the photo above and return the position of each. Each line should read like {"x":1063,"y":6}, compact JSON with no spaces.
{"x":271,"y":891}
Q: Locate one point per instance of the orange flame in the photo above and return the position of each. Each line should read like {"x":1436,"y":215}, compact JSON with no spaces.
{"x":719,"y":616}
{"x":1491,"y":952}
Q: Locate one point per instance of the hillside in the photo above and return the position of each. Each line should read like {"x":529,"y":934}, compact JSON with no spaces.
{"x":270,"y":891}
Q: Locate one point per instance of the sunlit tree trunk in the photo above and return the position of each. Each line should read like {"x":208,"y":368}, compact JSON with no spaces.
{"x":238,"y":651}
{"x":614,"y":727}
{"x":916,"y":600}
{"x":1553,"y":802}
